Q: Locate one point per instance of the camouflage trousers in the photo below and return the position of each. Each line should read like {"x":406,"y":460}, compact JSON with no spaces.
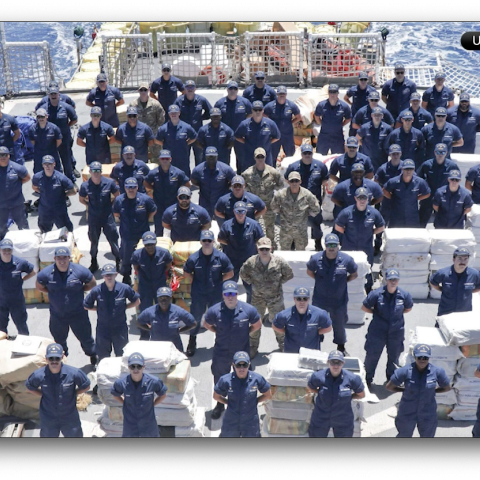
{"x":275,"y":304}
{"x":267,"y":221}
{"x":294,"y":233}
{"x":153,"y":153}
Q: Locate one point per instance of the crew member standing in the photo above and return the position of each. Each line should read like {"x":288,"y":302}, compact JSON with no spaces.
{"x":167,"y":86}
{"x":128,"y":167}
{"x":260,"y":91}
{"x":106,"y":97}
{"x":9,"y":132}
{"x":397,"y":91}
{"x":358,"y":93}
{"x":467,"y":119}
{"x":438,"y":95}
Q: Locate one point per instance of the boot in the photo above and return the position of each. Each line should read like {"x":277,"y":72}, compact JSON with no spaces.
{"x":217,"y":411}
{"x":127,"y":280}
{"x":69,"y":202}
{"x":192,"y":346}
{"x":94,"y":265}
{"x":94,"y":361}
{"x":76,"y":173}
{"x":341,"y":348}
{"x":318,"y":244}
{"x":117,"y":264}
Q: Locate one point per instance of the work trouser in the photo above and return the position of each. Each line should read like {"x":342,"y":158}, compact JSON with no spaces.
{"x":17,"y":214}
{"x":234,"y":426}
{"x":200,"y":303}
{"x":427,"y":425}
{"x":17,"y":309}
{"x":59,"y":217}
{"x":296,"y":234}
{"x":68,"y":431}
{"x":425,"y":211}
{"x":320,"y":428}
{"x":316,"y":224}
{"x":326,"y":142}
{"x":148,"y":298}
{"x":240,"y":156}
{"x":267,"y":221}
{"x":158,"y":221}
{"x":109,"y":230}
{"x":108,"y":336}
{"x":127,"y":247}
{"x":197,"y":152}
{"x":339,"y":317}
{"x":65,"y":152}
{"x":288,"y":147}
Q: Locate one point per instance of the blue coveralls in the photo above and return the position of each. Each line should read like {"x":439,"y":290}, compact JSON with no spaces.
{"x":383,"y":175}
{"x":98,"y":146}
{"x":451,"y":207}
{"x":112,"y":328}
{"x":456,"y":289}
{"x":433,"y":135}
{"x":61,"y":96}
{"x":333,"y":405}
{"x":343,"y":165}
{"x":220,"y":138}
{"x":45,"y":144}
{"x":12,"y":300}
{"x":167,"y":90}
{"x":106,"y":101}
{"x":398,"y":94}
{"x":165,"y":188}
{"x":436,"y":175}
{"x":213,"y":183}
{"x":65,"y":295}
{"x":468,"y":123}
{"x":226,"y":203}
{"x":282,"y":116}
{"x":194,"y":112}
{"x":435,"y":98}
{"x":476,"y":427}
{"x":186,"y":225}
{"x":52,"y":208}
{"x":473,"y":176}
{"x":387,"y":328}
{"x":100,"y":214}
{"x":165,"y":325}
{"x":121,"y":171}
{"x":134,"y":215}
{"x":265,"y":95}
{"x":241,"y":416}
{"x":418,"y":406}
{"x":242,"y":239}
{"x":302,"y":330}
{"x":330,"y":292}
{"x":207,"y":281}
{"x":58,"y":405}
{"x":373,"y":140}
{"x":359,"y":99}
{"x":257,"y":135}
{"x":175,"y":139}
{"x":60,"y":116}
{"x":11,"y":197}
{"x":345,"y":192}
{"x":364,"y":115}
{"x":137,"y":137}
{"x":138,"y":409}
{"x":8,"y":125}
{"x":411,"y":143}
{"x":231,"y":335}
{"x":404,"y":202}
{"x":331,"y":131}
{"x":420,"y":118}
{"x":233,"y":113}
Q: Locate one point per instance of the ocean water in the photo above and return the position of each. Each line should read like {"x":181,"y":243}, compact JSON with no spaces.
{"x":414,"y":43}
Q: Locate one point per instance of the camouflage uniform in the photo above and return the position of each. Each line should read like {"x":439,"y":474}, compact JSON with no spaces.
{"x":267,"y":292}
{"x":263,"y":184}
{"x":154,"y":116}
{"x":294,"y":215}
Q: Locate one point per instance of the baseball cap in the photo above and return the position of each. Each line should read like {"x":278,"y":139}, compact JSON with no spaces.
{"x":101,"y":77}
{"x":362,"y":75}
{"x":361,"y":192}
{"x":4,"y":150}
{"x":131,"y":182}
{"x":259,"y":74}
{"x":374,"y":94}
{"x":264,"y":242}
{"x":53,"y":89}
{"x":399,"y":66}
{"x":351,"y":142}
{"x":259,"y":151}
{"x":207,"y":235}
{"x":128,"y":149}
{"x":6,"y":243}
{"x":164,"y":292}
{"x":422,"y":350}
{"x":173,"y":109}
{"x":331,"y":238}
{"x":215,"y":112}
{"x":238,"y":179}
{"x":333,"y":88}
{"x":241,"y":357}
{"x":407,"y":114}
{"x":48,"y":159}
{"x":408,"y":164}
{"x":62,"y":252}
{"x":136,"y":359}
{"x":357,"y":167}
{"x":149,"y":238}
{"x":184,"y":191}
{"x":211,"y":152}
{"x":441,"y":111}
{"x":395,"y":148}
{"x":257,"y":104}
{"x":336,"y":355}
{"x":301,"y":292}
{"x":240,"y":207}
{"x":441,"y":148}
{"x":41,"y":112}
{"x":377,"y":111}
{"x":54,"y":350}
{"x":165,"y":154}
{"x":190,"y":83}
{"x":109,"y":269}
{"x":462,"y":251}
{"x":293,"y":175}
{"x":439,"y":75}
{"x":95,"y":166}
{"x":464,"y":97}
{"x":454,"y":174}
{"x":415,"y":96}
{"x":166,"y":65}
{"x":230,"y":287}
{"x":95,"y":111}
{"x":132,"y":111}
{"x":232,"y":84}
{"x":306,"y":147}
{"x":392,"y":273}
{"x":281,"y":89}
{"x":143,"y":85}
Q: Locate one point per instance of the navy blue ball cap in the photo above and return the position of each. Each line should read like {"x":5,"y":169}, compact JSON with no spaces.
{"x":441,"y":148}
{"x":282,"y":89}
{"x":461,"y":252}
{"x":306,"y":147}
{"x":422,"y":350}
{"x":230,"y":287}
{"x":238,"y":179}
{"x":257,"y":104}
{"x":333,"y":88}
{"x":331,"y":238}
{"x":362,"y":75}
{"x":6,"y":244}
{"x":399,"y":66}
{"x":336,"y":355}
{"x":394,"y":148}
{"x":259,"y":74}
{"x":415,"y":96}
{"x":352,"y":142}
{"x":441,"y":112}
{"x":165,"y":154}
{"x":361,"y":192}
{"x":149,"y":238}
{"x":464,"y":97}
{"x":190,"y":83}
{"x":128,"y":149}
{"x":48,"y":159}
{"x":240,"y":207}
{"x":164,"y":292}
{"x":407,"y":114}
{"x":377,"y":111}
{"x":62,"y":252}
{"x":392,"y":273}
{"x":454,"y":175}
{"x":136,"y":359}
{"x":374,"y":95}
{"x":408,"y":164}
{"x":207,"y":235}
{"x":211,"y":152}
{"x":174,"y":109}
{"x":53,"y":89}
{"x":109,"y":269}
{"x":440,"y":75}
{"x":232,"y":84}
{"x":132,"y":111}
{"x":358,"y":167}
{"x":4,"y":150}
{"x":41,"y":112}
{"x":95,"y":166}
{"x":301,"y":292}
{"x":54,"y":350}
{"x":241,"y":357}
{"x":101,"y":77}
{"x":184,"y":191}
{"x":166,"y":66}
{"x":215,"y":112}
{"x":131,"y":182}
{"x":95,"y":111}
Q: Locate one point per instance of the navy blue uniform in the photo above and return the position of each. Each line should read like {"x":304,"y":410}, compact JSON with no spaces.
{"x":186,"y":225}
{"x":121,"y":171}
{"x":138,"y":409}
{"x":61,"y":96}
{"x":398,"y":94}
{"x":58,"y":405}
{"x":134,"y":215}
{"x":100,"y":213}
{"x":373,"y":139}
{"x":11,"y":197}
{"x":331,"y":132}
{"x":302,"y":330}
{"x":106,"y":101}
{"x":435,"y":98}
{"x":226,"y":203}
{"x":241,"y":416}
{"x":456,"y":289}
{"x":8,"y":125}
{"x":330,"y":292}
{"x":52,"y":208}
{"x":137,"y":137}
{"x":364,"y":115}
{"x":98,"y":146}
{"x":476,"y":427}
{"x":213,"y":183}
{"x":265,"y":95}
{"x":165,"y":187}
{"x":343,"y":164}
{"x":387,"y":328}
{"x":473,"y":176}
{"x":468,"y":123}
{"x":404,"y":202}
{"x":420,"y":118}
{"x":411,"y":143}
{"x":383,"y":175}
{"x":165,"y":325}
{"x":231,"y":334}
{"x":167,"y":90}
{"x":345,"y":192}
{"x":433,"y":135}
{"x":221,"y":138}
{"x":451,"y":207}
{"x":418,"y":406}
{"x":112,"y":326}
{"x":175,"y":139}
{"x":45,"y":144}
{"x":359,"y":98}
{"x":65,"y":295}
{"x":333,"y":405}
{"x":208,"y":272}
{"x":12,"y":300}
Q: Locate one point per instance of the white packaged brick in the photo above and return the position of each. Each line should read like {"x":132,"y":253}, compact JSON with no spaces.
{"x":26,"y":243}
{"x":289,"y":410}
{"x":467,"y":397}
{"x":446,"y":241}
{"x":446,"y":398}
{"x":464,"y":413}
{"x":439,"y":261}
{"x":181,"y":400}
{"x":283,"y":370}
{"x":418,"y":291}
{"x":476,"y":231}
{"x":265,"y":433}
{"x":196,"y":428}
{"x":401,"y":240}
{"x":113,"y":428}
{"x":406,"y":261}
{"x":356,"y":299}
{"x":46,"y":251}
{"x":172,"y":417}
{"x":434,"y":338}
{"x":159,"y":356}
{"x":460,"y":328}
{"x":467,"y":383}
{"x":356,"y":286}
{"x":109,"y":370}
{"x":466,"y":367}
{"x":473,"y":217}
{"x":312,"y":359}
{"x":361,"y":260}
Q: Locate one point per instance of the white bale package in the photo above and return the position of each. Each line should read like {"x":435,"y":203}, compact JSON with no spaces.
{"x":433,"y":337}
{"x":312,"y":359}
{"x":109,"y":370}
{"x":446,"y":241}
{"x":415,"y":262}
{"x":283,"y":370}
{"x":473,"y":217}
{"x":401,"y":240}
{"x":289,"y":410}
{"x":466,"y":367}
{"x":181,"y":399}
{"x":46,"y":251}
{"x":26,"y":243}
{"x":460,"y":328}
{"x":159,"y":356}
{"x":356,"y":289}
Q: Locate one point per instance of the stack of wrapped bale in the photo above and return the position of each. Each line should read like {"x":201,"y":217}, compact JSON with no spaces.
{"x":26,"y":245}
{"x":407,"y":250}
{"x":473,"y":222}
{"x":163,"y":360}
{"x":462,"y":329}
{"x":444,"y":356}
{"x":444,"y":243}
{"x":15,"y":368}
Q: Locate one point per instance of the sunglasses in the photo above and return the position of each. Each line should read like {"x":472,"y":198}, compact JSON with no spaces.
{"x":352,"y":147}
{"x":373,"y":99}
{"x":135,"y":367}
{"x":143,"y":90}
{"x":456,"y":180}
{"x":95,"y":170}
{"x":260,"y":78}
{"x":264,"y":249}
{"x":400,"y":72}
{"x":440,"y":116}
{"x":230,"y":294}
{"x":302,"y":299}
{"x":232,"y":88}
{"x":363,"y":79}
{"x":295,"y":180}
{"x":260,"y":156}
{"x":407,"y":119}
{"x":40,"y":116}
{"x":331,"y":245}
{"x":241,"y":365}
{"x":240,"y":212}
{"x":131,"y":187}
{"x":166,"y":70}
{"x":54,"y":359}
{"x":423,"y":358}
{"x":237,"y":185}
{"x":184,"y":197}
{"x":96,"y":115}
{"x":102,"y":81}
{"x":336,"y":363}
{"x":307,"y":153}
{"x":257,"y":109}
{"x":132,"y":116}
{"x":4,"y":154}
{"x":207,"y":241}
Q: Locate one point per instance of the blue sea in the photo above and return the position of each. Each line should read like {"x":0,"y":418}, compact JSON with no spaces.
{"x":413,"y":43}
